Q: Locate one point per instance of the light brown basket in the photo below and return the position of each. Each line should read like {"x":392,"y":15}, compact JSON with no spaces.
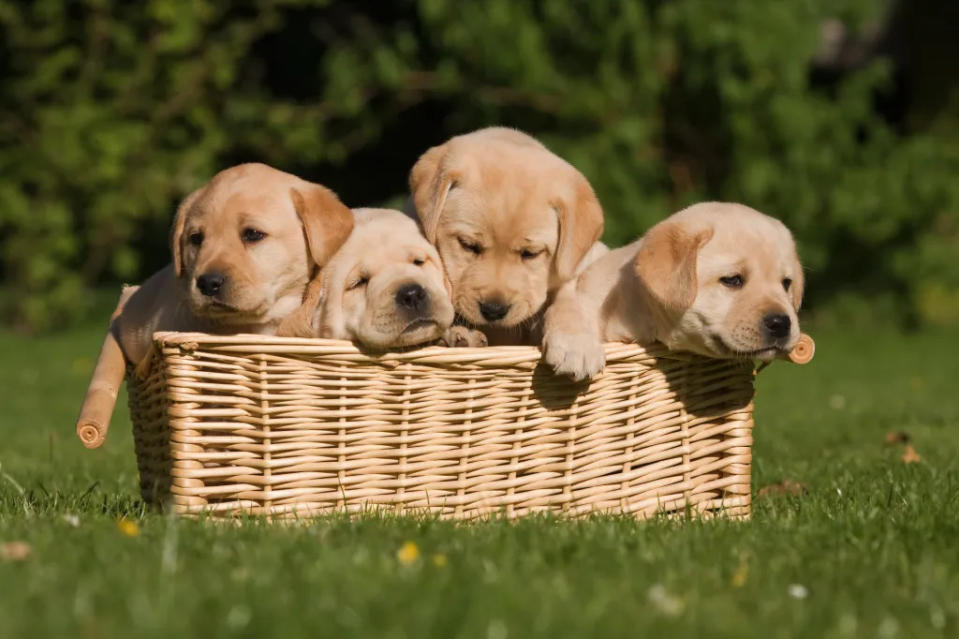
{"x":295,"y":427}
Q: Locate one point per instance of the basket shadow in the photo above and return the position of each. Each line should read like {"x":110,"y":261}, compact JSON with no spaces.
{"x":556,"y":392}
{"x":693,"y":415}
{"x":687,"y":379}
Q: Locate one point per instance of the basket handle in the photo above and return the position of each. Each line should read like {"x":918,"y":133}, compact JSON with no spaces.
{"x":101,"y":398}
{"x":97,"y":408}
{"x":803,"y":351}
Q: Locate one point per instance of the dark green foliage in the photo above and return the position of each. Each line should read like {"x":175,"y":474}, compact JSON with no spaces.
{"x":112,"y":111}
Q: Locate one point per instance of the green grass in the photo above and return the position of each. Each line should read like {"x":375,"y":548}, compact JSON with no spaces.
{"x":873,"y":543}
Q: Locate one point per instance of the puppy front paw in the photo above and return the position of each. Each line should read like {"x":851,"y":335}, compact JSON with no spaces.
{"x":579,"y":355}
{"x":464,"y":337}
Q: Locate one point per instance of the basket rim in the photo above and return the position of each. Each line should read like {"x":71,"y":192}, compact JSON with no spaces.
{"x":319,"y":346}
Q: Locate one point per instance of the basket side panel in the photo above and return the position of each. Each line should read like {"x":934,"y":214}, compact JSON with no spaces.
{"x":715,"y":397}
{"x":293,"y":434}
{"x":218,"y":435}
{"x":147,"y":401}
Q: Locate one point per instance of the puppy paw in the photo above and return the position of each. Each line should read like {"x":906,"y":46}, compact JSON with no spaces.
{"x":464,"y":337}
{"x":580,"y":356}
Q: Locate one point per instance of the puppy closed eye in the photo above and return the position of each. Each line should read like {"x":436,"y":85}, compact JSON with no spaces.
{"x":251,"y":235}
{"x":358,"y":283}
{"x":530,"y":254}
{"x":418,"y":261}
{"x":732,"y":281}
{"x":787,"y":283}
{"x":470,"y":246}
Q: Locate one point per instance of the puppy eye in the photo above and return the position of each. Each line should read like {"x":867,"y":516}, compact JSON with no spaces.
{"x":360,"y":283}
{"x":528,"y":254}
{"x":252,"y":235}
{"x":787,"y":283}
{"x":472,"y":247}
{"x":196,"y":239}
{"x":732,"y":281}
{"x":419,"y":262}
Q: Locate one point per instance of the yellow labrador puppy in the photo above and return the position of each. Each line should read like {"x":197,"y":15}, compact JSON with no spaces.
{"x":512,"y":222}
{"x":383,"y":289}
{"x":718,"y":279}
{"x":244,"y":246}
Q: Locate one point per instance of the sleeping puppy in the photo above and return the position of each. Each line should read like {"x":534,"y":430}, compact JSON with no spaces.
{"x":718,"y":279}
{"x":383,"y":289}
{"x":512,"y":222}
{"x":244,"y":247}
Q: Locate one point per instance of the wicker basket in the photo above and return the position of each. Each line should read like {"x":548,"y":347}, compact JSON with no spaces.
{"x":295,"y":427}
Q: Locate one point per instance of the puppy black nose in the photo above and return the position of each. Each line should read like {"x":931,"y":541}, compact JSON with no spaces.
{"x":412,"y":297}
{"x":777,"y":324}
{"x":492,"y":311}
{"x":210,"y":283}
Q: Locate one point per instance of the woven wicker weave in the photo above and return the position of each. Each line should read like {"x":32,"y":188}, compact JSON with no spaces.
{"x":291,"y":427}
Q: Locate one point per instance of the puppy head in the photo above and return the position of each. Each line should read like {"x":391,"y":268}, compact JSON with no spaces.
{"x":385,"y":287}
{"x":721,"y":280}
{"x":246,"y":244}
{"x":510,"y":220}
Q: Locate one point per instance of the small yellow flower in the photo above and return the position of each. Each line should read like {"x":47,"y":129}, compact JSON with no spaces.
{"x":741,"y":574}
{"x":439,"y":560}
{"x":128,"y":527}
{"x":408,"y":553}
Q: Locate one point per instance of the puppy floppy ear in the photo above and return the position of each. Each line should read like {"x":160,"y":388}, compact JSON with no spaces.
{"x":580,"y":225}
{"x":304,"y":321}
{"x":666,"y":265}
{"x":798,"y":286}
{"x":327,"y":222}
{"x":179,"y":223}
{"x":430,"y":183}
{"x":448,"y":285}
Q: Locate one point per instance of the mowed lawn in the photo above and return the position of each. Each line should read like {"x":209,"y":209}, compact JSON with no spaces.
{"x":871,"y":548}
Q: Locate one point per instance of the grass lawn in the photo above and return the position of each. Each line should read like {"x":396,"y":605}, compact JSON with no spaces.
{"x":871,"y":548}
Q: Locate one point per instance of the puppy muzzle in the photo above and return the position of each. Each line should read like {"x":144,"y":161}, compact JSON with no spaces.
{"x":776,"y":326}
{"x":211,"y":283}
{"x":493,"y":310}
{"x":412,"y":300}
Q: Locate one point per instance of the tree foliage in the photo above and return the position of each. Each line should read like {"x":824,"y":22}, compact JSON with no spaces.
{"x":111,"y":111}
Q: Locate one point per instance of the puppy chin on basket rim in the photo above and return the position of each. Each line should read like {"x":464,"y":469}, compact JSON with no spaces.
{"x":383,"y":289}
{"x":718,"y":279}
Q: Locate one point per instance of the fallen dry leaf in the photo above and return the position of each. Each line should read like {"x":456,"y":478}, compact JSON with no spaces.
{"x":910,"y":456}
{"x":15,"y":550}
{"x":785,"y":487}
{"x":897,"y":437}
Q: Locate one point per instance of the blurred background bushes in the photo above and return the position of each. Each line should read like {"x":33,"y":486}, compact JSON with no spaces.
{"x":841,"y":117}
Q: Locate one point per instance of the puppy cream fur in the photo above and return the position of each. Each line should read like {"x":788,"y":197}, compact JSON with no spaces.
{"x":511,"y":221}
{"x":262,"y":232}
{"x":718,"y":279}
{"x":383,"y":289}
